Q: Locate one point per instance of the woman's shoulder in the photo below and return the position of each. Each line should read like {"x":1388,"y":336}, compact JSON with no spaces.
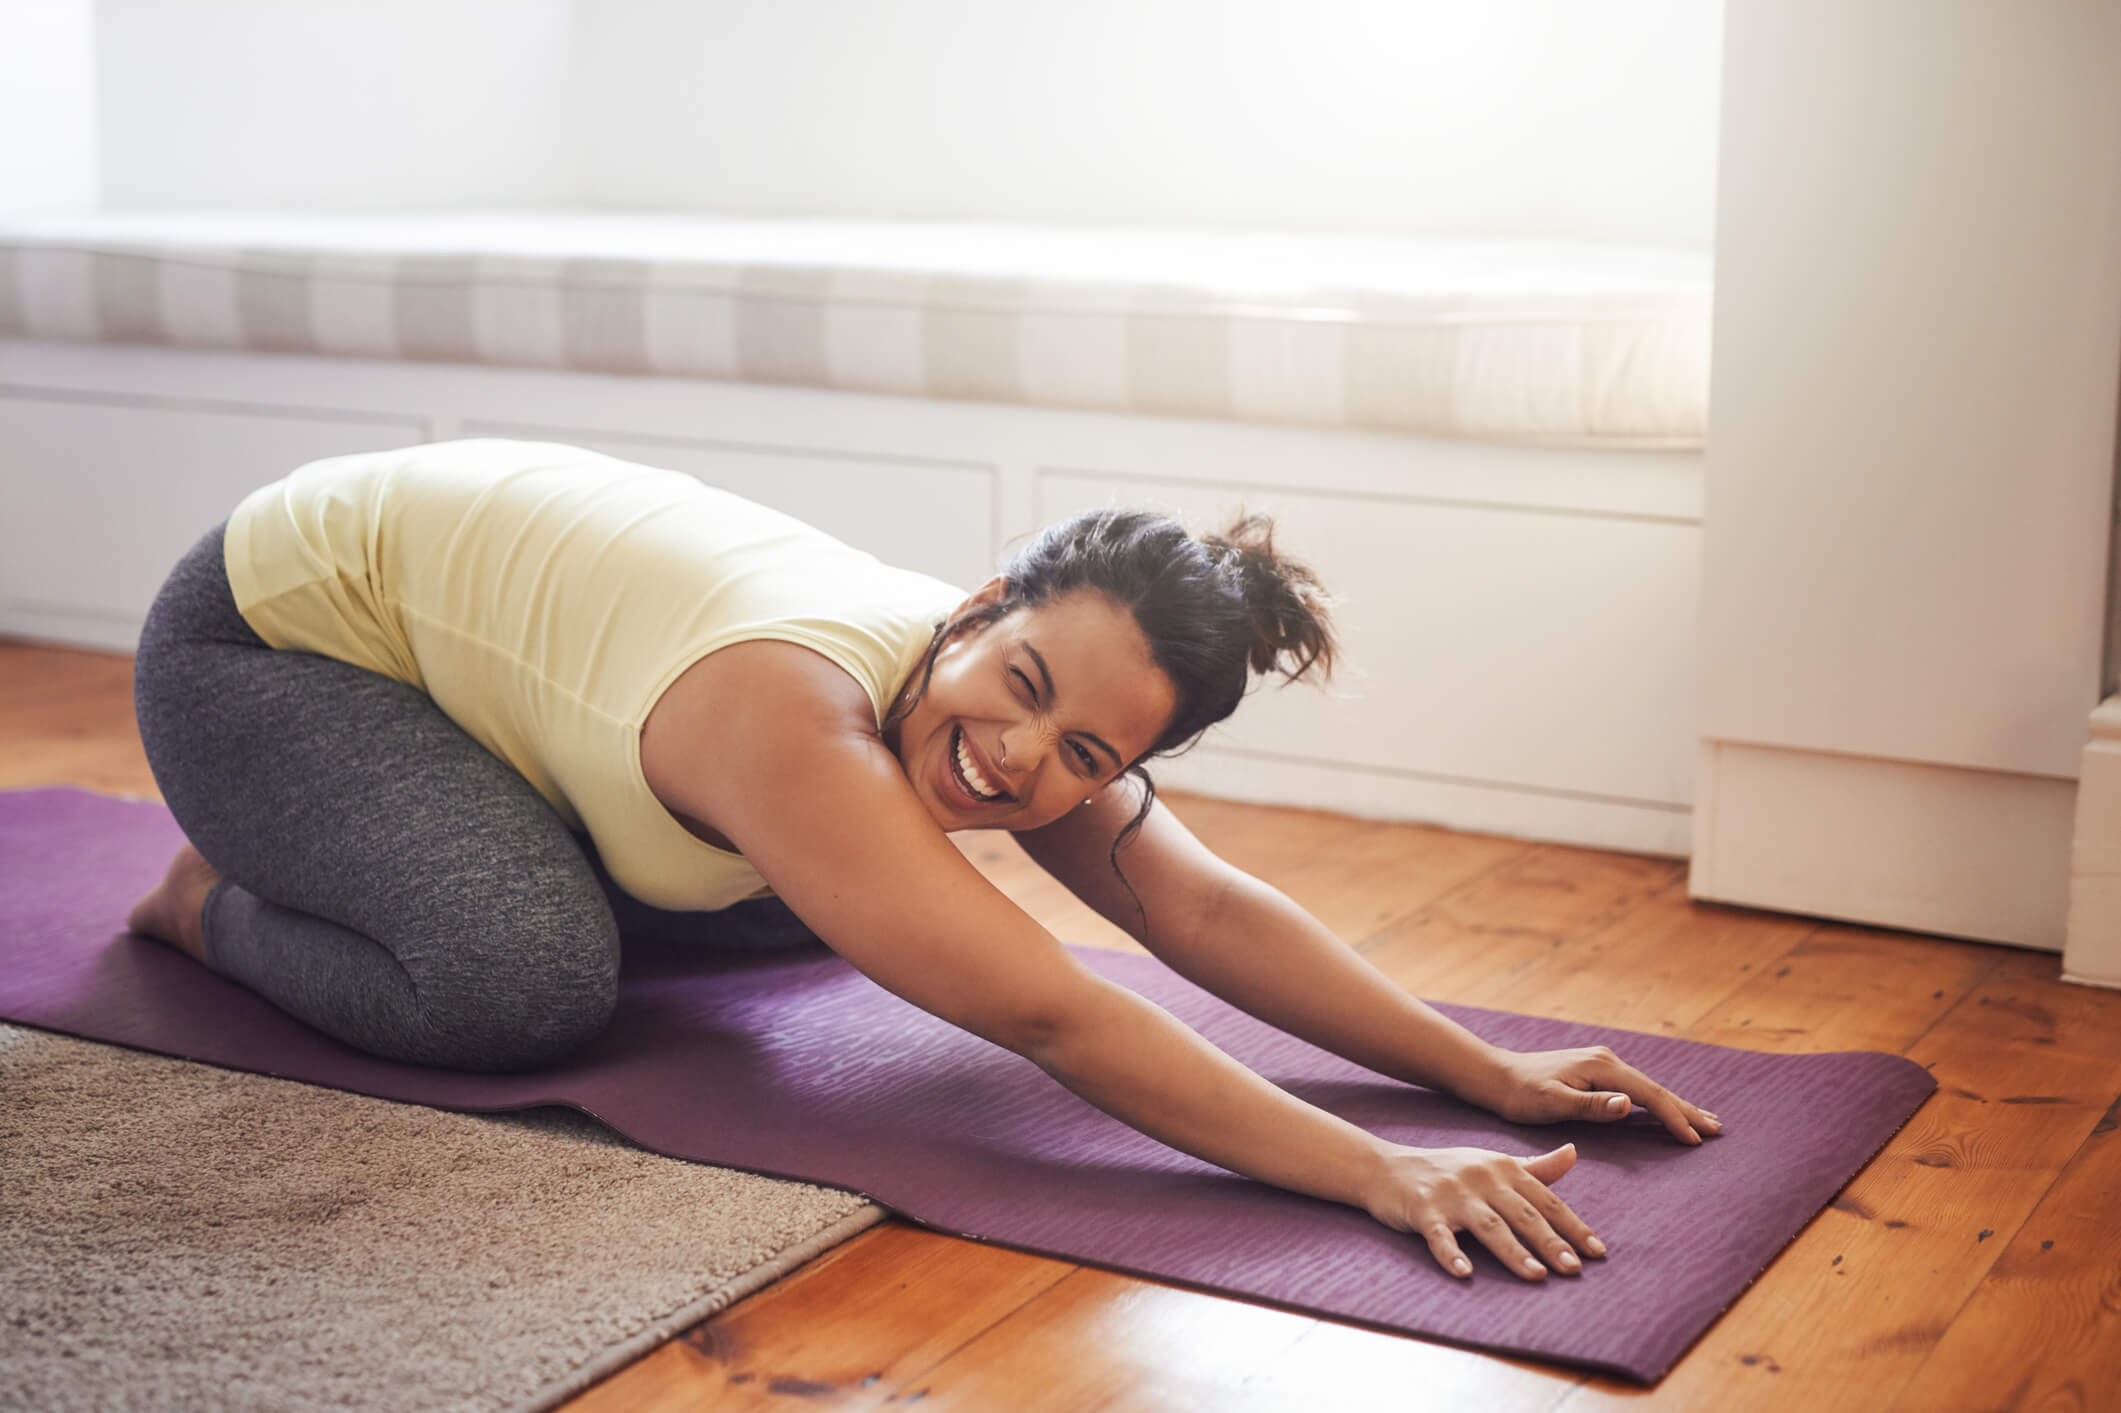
{"x":743,"y":698}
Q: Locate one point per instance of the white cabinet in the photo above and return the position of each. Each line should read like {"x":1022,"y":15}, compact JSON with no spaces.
{"x":102,"y":495}
{"x":1911,"y":457}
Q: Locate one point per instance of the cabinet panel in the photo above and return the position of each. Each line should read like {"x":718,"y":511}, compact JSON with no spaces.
{"x":80,"y":539}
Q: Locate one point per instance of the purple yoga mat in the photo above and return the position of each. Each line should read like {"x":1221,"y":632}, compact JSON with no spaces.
{"x":800,"y":1067}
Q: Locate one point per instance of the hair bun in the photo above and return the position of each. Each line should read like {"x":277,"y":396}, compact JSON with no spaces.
{"x":1291,"y":629}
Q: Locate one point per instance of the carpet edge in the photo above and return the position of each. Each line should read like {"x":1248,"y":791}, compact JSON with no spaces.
{"x":617,"y":1356}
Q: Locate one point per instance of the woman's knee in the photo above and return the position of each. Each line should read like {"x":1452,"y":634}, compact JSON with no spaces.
{"x":534,"y":1031}
{"x":534,"y":1014}
{"x":553,"y":1034}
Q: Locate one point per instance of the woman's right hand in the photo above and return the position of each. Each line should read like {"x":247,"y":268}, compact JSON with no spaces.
{"x":1503,"y":1202}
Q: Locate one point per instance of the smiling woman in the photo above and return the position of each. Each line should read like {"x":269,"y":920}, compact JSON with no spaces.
{"x":1012,"y":736}
{"x":431,"y":719}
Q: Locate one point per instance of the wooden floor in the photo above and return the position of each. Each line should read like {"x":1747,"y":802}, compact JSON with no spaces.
{"x":1975,"y":1264}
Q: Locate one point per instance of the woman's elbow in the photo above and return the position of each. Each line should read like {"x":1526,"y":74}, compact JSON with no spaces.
{"x":1041,"y":1024}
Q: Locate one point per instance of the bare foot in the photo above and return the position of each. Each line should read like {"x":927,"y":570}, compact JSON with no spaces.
{"x":172,"y":912}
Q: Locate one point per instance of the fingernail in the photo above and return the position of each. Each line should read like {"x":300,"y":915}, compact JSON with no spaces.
{"x":1712,"y":1123}
{"x":1597,"y":1246}
{"x":1567,"y":1261}
{"x":1533,"y":1266}
{"x":1618,"y":1103}
{"x":1462,"y":1266}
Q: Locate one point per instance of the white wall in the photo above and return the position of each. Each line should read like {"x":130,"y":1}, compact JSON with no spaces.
{"x":1367,"y":116}
{"x":341,"y":103}
{"x":1525,"y":117}
{"x":47,"y":106}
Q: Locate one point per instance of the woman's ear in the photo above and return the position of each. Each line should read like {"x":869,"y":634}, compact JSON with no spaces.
{"x":975,"y":612}
{"x":986,"y":594}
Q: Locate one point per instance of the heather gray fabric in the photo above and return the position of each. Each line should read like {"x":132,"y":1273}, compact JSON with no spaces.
{"x":388,"y":880}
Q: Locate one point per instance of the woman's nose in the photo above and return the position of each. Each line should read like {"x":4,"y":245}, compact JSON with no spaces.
{"x":1022,"y":747}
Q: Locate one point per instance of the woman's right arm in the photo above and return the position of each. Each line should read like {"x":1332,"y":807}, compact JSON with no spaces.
{"x":774,"y":747}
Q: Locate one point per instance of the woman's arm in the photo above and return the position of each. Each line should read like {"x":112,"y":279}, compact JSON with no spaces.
{"x":773,"y":747}
{"x":1248,"y":943}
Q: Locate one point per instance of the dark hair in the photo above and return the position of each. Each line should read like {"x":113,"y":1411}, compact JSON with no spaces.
{"x":1215,"y":610}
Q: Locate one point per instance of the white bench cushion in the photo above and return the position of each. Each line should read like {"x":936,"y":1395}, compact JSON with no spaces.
{"x":1542,"y":343}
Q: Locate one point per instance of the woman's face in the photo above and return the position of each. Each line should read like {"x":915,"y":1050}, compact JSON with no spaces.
{"x":1027,"y":717}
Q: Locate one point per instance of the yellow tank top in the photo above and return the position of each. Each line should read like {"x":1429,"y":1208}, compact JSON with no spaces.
{"x":545,"y":597}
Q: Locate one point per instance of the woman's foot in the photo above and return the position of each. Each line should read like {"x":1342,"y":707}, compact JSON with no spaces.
{"x":173,"y":912}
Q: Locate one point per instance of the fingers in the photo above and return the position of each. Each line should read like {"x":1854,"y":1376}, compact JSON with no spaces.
{"x":1602,"y":1106}
{"x":1686,"y":1122}
{"x":1548,"y":1248}
{"x":1511,"y":1212}
{"x":1492,"y":1230}
{"x":1548,"y":1167}
{"x":1443,"y":1245}
{"x":1571,"y":1228}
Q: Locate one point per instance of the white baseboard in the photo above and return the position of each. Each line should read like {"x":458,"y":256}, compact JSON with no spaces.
{"x":1516,"y":810}
{"x":1974,"y":854}
{"x":69,"y":625}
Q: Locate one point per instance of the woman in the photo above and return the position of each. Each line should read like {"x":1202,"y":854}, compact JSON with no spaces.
{"x":409,"y":706}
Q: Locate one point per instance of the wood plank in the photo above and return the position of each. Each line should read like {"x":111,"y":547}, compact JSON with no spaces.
{"x":1848,"y":988}
{"x":1099,"y":1340}
{"x":2024,"y":1001}
{"x":67,"y":718}
{"x":1849,"y":1311}
{"x":1362,"y":885}
{"x":1469,"y":943}
{"x":1351,"y":1370}
{"x":2044,"y":1329}
{"x":854,"y":1327}
{"x":1662,"y":968}
{"x":1163,"y":1348}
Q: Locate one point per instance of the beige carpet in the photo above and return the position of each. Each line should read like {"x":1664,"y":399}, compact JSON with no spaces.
{"x":174,"y":1236}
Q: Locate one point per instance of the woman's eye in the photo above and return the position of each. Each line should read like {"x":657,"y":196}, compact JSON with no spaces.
{"x":1089,"y":761}
{"x":1018,"y":674}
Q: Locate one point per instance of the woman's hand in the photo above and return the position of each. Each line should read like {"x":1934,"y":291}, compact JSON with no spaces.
{"x":1592,"y":1084}
{"x":1503,"y":1202}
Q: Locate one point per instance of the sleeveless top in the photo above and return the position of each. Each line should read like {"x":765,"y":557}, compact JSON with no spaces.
{"x":545,"y":597}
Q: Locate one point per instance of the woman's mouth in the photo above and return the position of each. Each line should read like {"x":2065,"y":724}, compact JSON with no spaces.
{"x":964,"y":774}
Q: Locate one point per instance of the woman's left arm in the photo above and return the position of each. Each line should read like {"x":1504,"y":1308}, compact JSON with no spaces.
{"x":1250,"y":944}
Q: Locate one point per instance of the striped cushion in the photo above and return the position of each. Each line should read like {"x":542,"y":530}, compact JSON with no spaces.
{"x":1571,"y":345}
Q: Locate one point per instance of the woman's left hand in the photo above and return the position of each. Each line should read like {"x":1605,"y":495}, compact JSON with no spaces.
{"x":1593,"y":1084}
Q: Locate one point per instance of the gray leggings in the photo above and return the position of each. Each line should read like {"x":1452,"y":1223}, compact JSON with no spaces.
{"x":386,"y":878}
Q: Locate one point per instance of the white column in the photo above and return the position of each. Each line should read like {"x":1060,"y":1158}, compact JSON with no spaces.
{"x":1911,"y":457}
{"x":2093,"y":954}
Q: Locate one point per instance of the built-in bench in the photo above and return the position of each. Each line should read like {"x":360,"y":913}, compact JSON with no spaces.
{"x":1553,"y":345}
{"x":1492,"y":450}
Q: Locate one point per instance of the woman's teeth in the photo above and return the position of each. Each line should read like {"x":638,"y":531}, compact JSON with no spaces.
{"x":969,"y":773}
